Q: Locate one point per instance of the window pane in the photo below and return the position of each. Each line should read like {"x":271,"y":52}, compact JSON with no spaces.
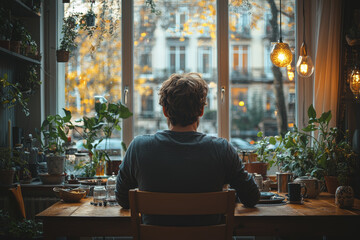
{"x":253,"y":94}
{"x":180,"y":39}
{"x":93,"y":73}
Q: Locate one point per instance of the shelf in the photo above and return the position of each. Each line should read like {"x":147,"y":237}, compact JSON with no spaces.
{"x":19,"y":9}
{"x":6,"y":52}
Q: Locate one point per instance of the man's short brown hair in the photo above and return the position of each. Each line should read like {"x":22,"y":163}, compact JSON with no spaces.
{"x":183,"y":97}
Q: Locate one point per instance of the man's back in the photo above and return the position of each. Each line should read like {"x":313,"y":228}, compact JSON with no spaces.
{"x":188,"y":162}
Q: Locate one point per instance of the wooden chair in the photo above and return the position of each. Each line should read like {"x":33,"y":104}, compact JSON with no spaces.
{"x":152,"y":203}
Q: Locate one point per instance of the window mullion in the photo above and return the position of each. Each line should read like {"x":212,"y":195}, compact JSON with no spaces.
{"x":223,"y":68}
{"x":127,"y":50}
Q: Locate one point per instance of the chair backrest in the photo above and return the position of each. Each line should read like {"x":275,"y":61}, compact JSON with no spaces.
{"x":154,"y":203}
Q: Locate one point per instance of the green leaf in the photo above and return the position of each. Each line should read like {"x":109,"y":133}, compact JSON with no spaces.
{"x":67,"y":117}
{"x":309,"y":128}
{"x":124,"y":112}
{"x":260,"y":134}
{"x":311,"y":112}
{"x":272,"y":140}
{"x":123,"y":145}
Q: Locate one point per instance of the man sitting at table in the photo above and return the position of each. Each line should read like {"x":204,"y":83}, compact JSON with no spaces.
{"x":182,"y":160}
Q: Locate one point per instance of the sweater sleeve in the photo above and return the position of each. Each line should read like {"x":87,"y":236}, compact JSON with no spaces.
{"x":126,"y":178}
{"x":245,"y":186}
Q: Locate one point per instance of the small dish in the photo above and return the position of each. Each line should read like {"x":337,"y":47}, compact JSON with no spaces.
{"x":72,"y":196}
{"x":273,"y":199}
{"x":266,"y":195}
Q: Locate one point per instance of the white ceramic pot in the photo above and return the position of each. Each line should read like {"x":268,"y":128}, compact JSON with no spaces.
{"x":55,"y":164}
{"x":312,"y":186}
{"x":344,"y":197}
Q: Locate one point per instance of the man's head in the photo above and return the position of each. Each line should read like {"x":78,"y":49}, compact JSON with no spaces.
{"x":183,"y":97}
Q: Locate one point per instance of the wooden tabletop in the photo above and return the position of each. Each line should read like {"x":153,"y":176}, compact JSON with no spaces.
{"x":316,"y":217}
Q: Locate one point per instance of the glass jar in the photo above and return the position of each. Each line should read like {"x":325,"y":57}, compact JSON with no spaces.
{"x":110,"y":187}
{"x":99,"y":194}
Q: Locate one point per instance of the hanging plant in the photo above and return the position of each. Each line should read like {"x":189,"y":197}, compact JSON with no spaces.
{"x":90,"y":17}
{"x":70,"y":32}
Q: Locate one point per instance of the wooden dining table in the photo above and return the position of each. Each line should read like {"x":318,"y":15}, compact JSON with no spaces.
{"x":313,"y":217}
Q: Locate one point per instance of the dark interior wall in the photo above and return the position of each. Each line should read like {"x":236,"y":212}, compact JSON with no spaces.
{"x":349,"y":108}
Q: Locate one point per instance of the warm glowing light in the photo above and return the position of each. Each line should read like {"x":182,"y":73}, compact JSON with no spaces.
{"x":291,"y":125}
{"x":291,"y":75}
{"x":355,"y":82}
{"x":281,"y":55}
{"x":275,"y":112}
{"x":241,"y":103}
{"x":304,"y":66}
{"x":143,"y":34}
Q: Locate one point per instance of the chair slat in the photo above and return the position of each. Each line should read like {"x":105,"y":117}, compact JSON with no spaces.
{"x":182,"y":203}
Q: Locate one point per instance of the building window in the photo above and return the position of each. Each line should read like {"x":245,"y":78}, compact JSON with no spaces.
{"x":204,"y":63}
{"x":240,"y":59}
{"x":177,"y":59}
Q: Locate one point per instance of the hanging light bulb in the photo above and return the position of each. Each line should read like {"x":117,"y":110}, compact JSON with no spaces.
{"x":304,"y":65}
{"x":355,"y":82}
{"x":290,"y":72}
{"x":281,"y":55}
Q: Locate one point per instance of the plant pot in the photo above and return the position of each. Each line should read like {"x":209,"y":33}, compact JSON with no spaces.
{"x":257,"y":167}
{"x":55,"y":164}
{"x":5,"y":44}
{"x":344,"y":197}
{"x":90,"y":20}
{"x":7,"y":177}
{"x":331,"y":183}
{"x":15,"y":46}
{"x":62,"y":55}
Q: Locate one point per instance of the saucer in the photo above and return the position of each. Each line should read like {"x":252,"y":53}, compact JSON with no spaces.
{"x":295,"y":202}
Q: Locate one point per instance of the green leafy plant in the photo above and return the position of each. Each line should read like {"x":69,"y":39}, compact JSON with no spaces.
{"x":18,"y":30}
{"x":70,"y":32}
{"x":265,"y":149}
{"x":98,"y":128}
{"x":11,"y":94}
{"x":8,"y":158}
{"x":55,"y":129}
{"x":19,"y":229}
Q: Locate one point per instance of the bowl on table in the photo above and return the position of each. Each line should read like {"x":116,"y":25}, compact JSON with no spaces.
{"x":70,"y":195}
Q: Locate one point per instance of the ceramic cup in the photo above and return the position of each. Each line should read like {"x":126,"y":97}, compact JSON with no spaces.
{"x":294,"y":191}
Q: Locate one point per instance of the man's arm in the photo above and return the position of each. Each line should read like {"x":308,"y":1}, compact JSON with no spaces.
{"x":125,"y":179}
{"x":245,"y":186}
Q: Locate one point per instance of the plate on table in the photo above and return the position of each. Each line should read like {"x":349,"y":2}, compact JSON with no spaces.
{"x":274,"y":199}
{"x":266,"y":195}
{"x":93,"y":181}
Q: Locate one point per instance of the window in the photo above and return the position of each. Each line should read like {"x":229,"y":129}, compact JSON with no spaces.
{"x":240,"y":62}
{"x":183,"y":38}
{"x":204,"y":61}
{"x":177,"y":59}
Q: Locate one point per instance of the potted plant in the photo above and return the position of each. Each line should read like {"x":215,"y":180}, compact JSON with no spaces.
{"x":5,"y":29}
{"x":90,"y":17}
{"x":9,"y":160}
{"x":55,"y":129}
{"x":11,"y":94}
{"x":99,"y":128}
{"x":264,"y":155}
{"x":70,"y":32}
{"x":17,"y":35}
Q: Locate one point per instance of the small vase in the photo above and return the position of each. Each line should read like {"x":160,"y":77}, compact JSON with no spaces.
{"x":344,"y":197}
{"x":331,"y":183}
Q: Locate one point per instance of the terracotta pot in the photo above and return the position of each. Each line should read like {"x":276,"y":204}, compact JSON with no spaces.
{"x":5,"y":44}
{"x":62,"y":55}
{"x":257,"y":167}
{"x":344,"y":197}
{"x":15,"y":46}
{"x":7,"y":177}
{"x":331,"y":183}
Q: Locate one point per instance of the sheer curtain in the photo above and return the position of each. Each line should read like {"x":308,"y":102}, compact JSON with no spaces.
{"x":327,"y":63}
{"x":322,"y":24}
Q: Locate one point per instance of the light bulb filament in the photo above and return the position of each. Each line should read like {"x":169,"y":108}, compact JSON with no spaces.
{"x":304,"y":68}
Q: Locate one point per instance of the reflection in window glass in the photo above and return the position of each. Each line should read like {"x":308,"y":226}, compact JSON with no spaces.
{"x":180,"y":39}
{"x":253,"y":97}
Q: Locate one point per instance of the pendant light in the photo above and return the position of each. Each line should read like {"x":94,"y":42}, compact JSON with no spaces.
{"x":281,"y":55}
{"x":304,"y":65}
{"x":355,"y":82}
